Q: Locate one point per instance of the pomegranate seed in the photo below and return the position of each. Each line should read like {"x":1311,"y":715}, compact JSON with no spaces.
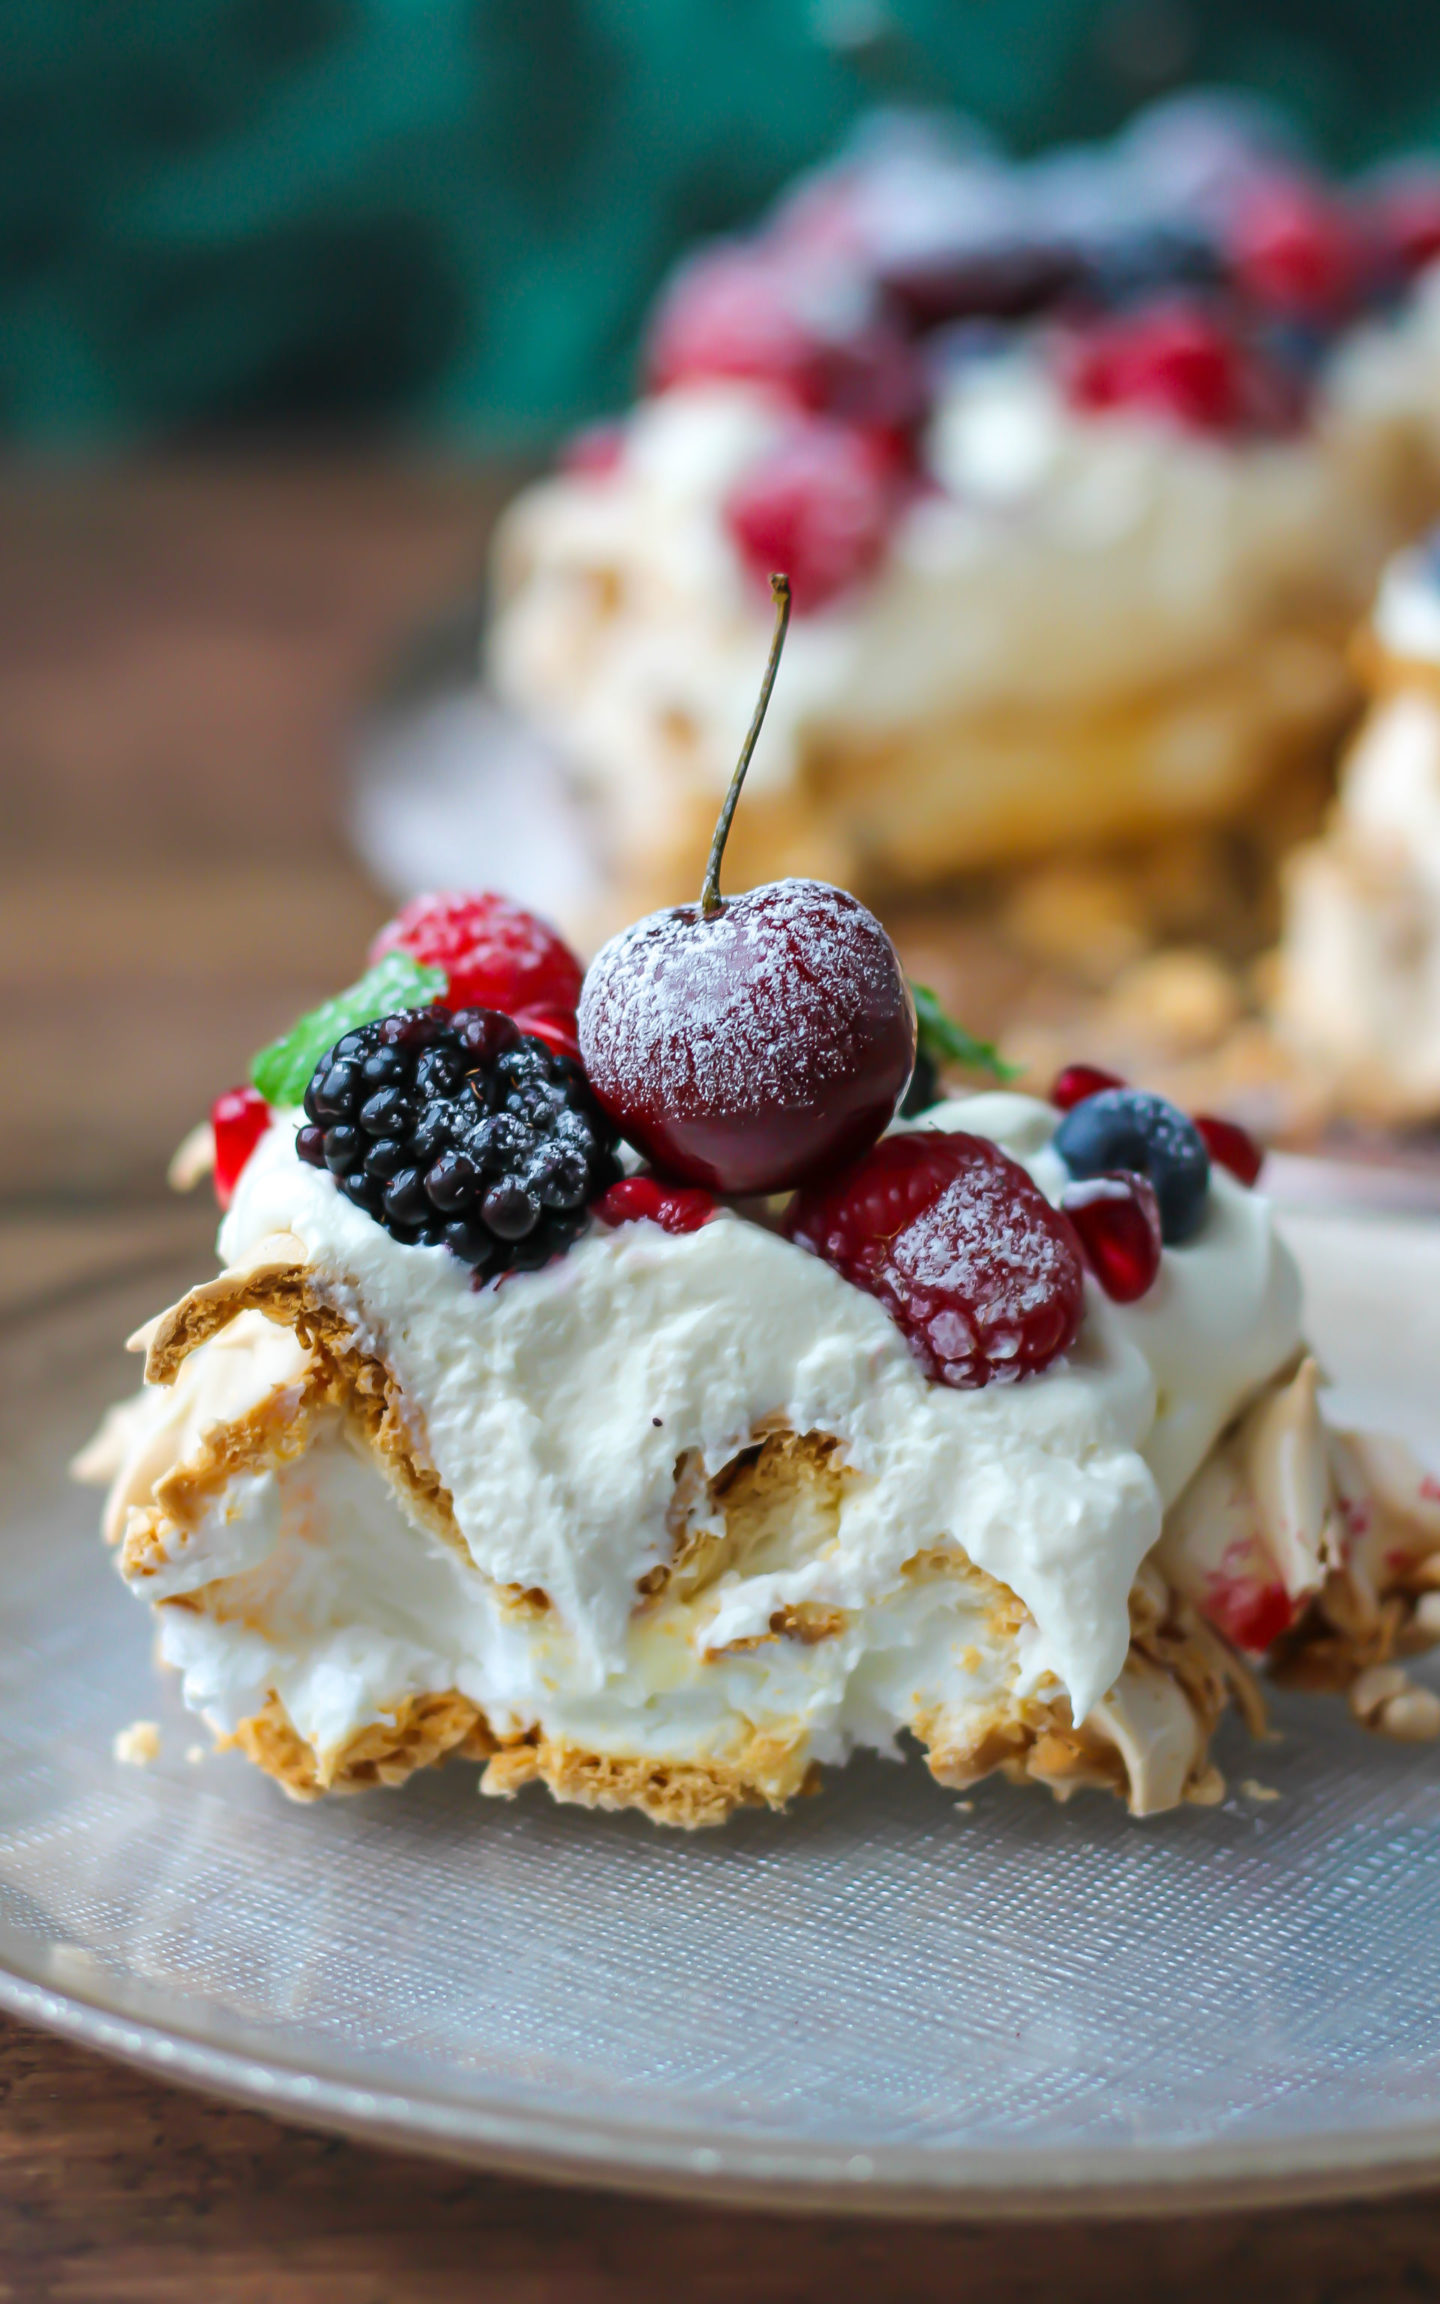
{"x":1078,"y":1081}
{"x":239,"y":1119}
{"x":1233,"y":1146}
{"x":1251,"y":1615}
{"x":1294,"y":250}
{"x":594,"y":451}
{"x":1118,"y":1220}
{"x":820,"y":507}
{"x":981,"y":1275}
{"x":644,"y":1199}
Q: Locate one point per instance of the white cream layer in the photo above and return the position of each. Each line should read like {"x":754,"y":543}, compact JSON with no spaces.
{"x":555,"y":1406}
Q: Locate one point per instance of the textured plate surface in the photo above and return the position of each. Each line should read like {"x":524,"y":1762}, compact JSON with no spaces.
{"x":886,"y":1999}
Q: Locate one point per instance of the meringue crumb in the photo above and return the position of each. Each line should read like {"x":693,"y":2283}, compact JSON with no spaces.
{"x":965,"y":1807}
{"x":138,"y":1744}
{"x":192,"y":1159}
{"x":1253,"y":1790}
{"x":194,"y":1754}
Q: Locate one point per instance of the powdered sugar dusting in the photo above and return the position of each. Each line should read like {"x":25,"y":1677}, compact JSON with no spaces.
{"x":788,"y":1006}
{"x":985,"y":1279}
{"x":724,"y":1007}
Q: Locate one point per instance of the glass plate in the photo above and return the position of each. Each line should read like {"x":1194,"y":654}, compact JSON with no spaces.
{"x":889,"y":1999}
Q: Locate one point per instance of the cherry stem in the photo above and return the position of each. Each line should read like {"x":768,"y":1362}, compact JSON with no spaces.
{"x":710,"y":898}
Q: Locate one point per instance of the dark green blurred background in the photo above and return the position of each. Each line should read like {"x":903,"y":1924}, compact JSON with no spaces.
{"x":446,"y":216}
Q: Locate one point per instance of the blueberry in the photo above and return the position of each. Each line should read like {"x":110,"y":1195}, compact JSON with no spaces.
{"x":1128,"y":1128}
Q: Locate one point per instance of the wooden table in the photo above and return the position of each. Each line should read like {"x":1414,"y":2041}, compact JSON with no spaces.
{"x":181,"y":653}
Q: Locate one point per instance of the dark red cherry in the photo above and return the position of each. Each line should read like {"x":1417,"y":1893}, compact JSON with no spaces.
{"x":1231,"y":1145}
{"x":749,"y":1043}
{"x":1078,"y":1081}
{"x":1118,"y":1220}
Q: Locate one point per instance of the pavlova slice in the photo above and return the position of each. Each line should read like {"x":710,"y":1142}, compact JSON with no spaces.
{"x":638,"y":1401}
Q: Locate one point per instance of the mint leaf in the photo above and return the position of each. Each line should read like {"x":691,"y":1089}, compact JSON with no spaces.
{"x":946,"y":1042}
{"x":282,"y":1071}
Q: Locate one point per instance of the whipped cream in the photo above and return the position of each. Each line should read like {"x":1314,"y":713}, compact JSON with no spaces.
{"x":556,"y":1405}
{"x":1406,"y":617}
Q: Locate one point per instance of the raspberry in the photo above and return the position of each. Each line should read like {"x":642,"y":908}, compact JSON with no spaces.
{"x":1078,"y":1081}
{"x":732,"y":312}
{"x":819,"y":506}
{"x":238,"y":1120}
{"x":1173,"y":359}
{"x":643,"y":1198}
{"x":1118,"y":1220}
{"x":1233,"y":1146}
{"x":1294,"y":250}
{"x":494,"y":954}
{"x":460,"y":1129}
{"x":981,"y":1275}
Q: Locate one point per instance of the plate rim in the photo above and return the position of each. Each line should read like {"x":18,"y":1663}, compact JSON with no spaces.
{"x":1110,"y":2182}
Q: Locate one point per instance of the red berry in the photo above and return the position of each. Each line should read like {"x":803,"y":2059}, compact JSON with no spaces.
{"x":239,"y":1119}
{"x":1174,"y":359}
{"x":1294,"y":250}
{"x":1118,"y":1220}
{"x":674,"y":1207}
{"x":979,"y":1272}
{"x":494,"y":954}
{"x":1078,"y":1081}
{"x":594,"y":451}
{"x":820,"y":506}
{"x":733,"y":312}
{"x":750,"y":1050}
{"x":1231,"y":1145}
{"x":1406,"y":219}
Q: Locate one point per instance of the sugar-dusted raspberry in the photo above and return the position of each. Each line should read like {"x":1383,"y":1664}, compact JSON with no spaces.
{"x":820,"y":506}
{"x":238,"y":1120}
{"x":646,"y":1199}
{"x":982,"y":1276}
{"x":733,"y":311}
{"x":493,"y":952}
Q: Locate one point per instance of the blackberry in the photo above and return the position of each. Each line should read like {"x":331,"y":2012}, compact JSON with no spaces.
{"x":460,"y":1129}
